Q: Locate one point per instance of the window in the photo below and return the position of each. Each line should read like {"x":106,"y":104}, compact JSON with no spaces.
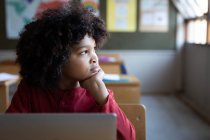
{"x":191,"y":8}
{"x":197,"y":31}
{"x":195,"y":13}
{"x":203,"y":4}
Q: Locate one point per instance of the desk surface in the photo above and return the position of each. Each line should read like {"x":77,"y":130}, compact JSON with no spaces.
{"x":126,"y":92}
{"x":9,"y":82}
{"x":129,"y":80}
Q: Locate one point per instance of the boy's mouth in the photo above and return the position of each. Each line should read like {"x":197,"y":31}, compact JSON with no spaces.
{"x":95,"y":69}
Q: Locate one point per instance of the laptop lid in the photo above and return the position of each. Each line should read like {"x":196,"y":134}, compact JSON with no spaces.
{"x":72,"y":126}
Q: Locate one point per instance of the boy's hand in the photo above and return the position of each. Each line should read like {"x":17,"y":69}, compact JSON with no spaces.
{"x":96,"y":87}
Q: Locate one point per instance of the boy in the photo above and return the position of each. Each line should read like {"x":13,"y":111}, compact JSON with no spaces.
{"x":59,"y":67}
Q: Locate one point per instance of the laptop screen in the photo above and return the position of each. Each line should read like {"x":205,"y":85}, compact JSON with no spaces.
{"x":73,"y":126}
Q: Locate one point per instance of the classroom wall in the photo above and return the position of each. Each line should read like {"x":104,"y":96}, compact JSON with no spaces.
{"x":7,"y":55}
{"x":4,"y":42}
{"x":155,"y":69}
{"x":152,"y":57}
{"x":197,"y":77}
{"x":119,"y":40}
{"x":155,"y":58}
{"x":143,"y":40}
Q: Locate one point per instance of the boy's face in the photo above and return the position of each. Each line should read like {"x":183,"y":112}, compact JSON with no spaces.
{"x":83,"y":61}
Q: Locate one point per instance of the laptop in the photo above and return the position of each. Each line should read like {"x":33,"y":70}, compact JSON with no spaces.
{"x":71,"y":126}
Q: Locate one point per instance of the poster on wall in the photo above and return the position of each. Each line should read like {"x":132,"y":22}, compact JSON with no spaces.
{"x":92,"y":5}
{"x":153,"y":16}
{"x":21,"y":12}
{"x":121,"y":15}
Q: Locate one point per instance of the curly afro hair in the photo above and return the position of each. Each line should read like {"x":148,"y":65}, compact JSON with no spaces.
{"x":45,"y":43}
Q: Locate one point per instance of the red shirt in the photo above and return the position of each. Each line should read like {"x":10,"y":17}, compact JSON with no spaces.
{"x":35,"y":100}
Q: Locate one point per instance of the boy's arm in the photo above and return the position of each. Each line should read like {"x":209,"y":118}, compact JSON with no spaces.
{"x":125,"y":129}
{"x":96,"y":87}
{"x":107,"y":104}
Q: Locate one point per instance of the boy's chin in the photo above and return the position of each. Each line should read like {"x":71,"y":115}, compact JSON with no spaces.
{"x":86,"y":77}
{"x":89,"y":76}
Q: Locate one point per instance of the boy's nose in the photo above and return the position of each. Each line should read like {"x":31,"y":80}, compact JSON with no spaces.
{"x":93,"y":60}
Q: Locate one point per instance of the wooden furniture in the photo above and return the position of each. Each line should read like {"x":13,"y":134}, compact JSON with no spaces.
{"x":4,"y":93}
{"x":136,"y":114}
{"x":126,"y":92}
{"x":8,"y":66}
{"x":113,"y":66}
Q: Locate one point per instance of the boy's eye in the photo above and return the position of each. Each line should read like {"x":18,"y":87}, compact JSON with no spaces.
{"x":84,"y":52}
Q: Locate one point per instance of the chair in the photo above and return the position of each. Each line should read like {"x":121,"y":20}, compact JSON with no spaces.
{"x":136,"y":114}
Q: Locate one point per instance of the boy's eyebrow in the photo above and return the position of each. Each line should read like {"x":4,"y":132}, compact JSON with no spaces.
{"x":83,"y":46}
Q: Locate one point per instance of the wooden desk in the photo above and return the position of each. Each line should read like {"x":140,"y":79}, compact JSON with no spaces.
{"x":111,"y":67}
{"x":4,"y":93}
{"x":126,"y":92}
{"x":9,"y":67}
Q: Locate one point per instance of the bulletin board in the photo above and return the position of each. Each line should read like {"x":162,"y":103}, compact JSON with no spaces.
{"x":135,"y":40}
{"x":138,"y":40}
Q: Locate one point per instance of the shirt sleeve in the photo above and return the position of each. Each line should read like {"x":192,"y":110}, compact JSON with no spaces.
{"x":21,"y":100}
{"x":125,"y":129}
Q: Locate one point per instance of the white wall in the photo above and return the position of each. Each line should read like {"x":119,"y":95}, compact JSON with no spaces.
{"x":155,"y":69}
{"x":5,"y":55}
{"x":197,"y":77}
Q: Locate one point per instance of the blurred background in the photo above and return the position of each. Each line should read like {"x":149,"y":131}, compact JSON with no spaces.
{"x":164,"y":44}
